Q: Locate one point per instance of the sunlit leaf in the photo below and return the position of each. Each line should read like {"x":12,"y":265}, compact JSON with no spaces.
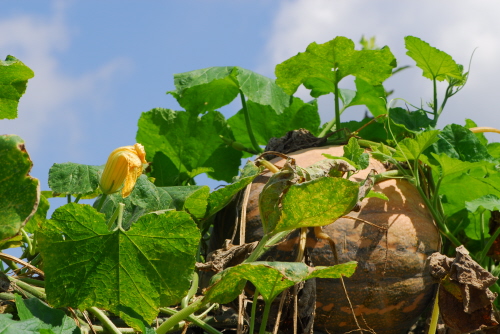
{"x":19,"y":192}
{"x":131,"y":273}
{"x":14,"y":77}
{"x":435,"y":63}
{"x":178,"y":142}
{"x":266,"y":124}
{"x":71,"y":178}
{"x":271,"y":278}
{"x":211,"y":88}
{"x":413,"y":121}
{"x":322,"y":66}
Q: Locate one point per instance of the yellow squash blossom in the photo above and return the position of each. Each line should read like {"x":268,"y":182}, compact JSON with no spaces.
{"x":123,"y":167}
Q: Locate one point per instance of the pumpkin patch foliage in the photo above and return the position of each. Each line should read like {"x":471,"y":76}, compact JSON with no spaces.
{"x":138,"y":257}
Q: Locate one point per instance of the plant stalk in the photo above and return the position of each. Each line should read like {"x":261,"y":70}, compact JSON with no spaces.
{"x":101,"y":202}
{"x":37,"y":292}
{"x":254,"y":310}
{"x":248,"y":124}
{"x":259,"y":250}
{"x":195,"y":320}
{"x":435,"y":106}
{"x":181,"y":315}
{"x":106,"y":323}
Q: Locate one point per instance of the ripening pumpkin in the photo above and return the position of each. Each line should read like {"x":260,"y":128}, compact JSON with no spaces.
{"x":392,"y":285}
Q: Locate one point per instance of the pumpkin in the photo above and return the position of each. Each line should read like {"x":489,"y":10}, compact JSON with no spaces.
{"x":392,"y":284}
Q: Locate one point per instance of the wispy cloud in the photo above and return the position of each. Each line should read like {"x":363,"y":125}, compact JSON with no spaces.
{"x":53,"y":96}
{"x":455,"y":27}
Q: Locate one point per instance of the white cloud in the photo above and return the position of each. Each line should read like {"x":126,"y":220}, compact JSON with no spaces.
{"x":52,"y":96}
{"x":456,"y":27}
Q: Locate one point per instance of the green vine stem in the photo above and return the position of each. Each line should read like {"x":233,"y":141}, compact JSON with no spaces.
{"x":192,"y":290}
{"x":77,"y":199}
{"x":181,"y":315}
{"x":248,"y":124}
{"x":195,"y":320}
{"x":101,"y":202}
{"x":435,"y":314}
{"x":488,"y":245}
{"x":32,"y":281}
{"x":114,"y":216}
{"x":254,"y":310}
{"x":435,"y":106}
{"x":110,"y":326}
{"x":37,"y":292}
{"x":259,"y":250}
{"x":27,"y":240}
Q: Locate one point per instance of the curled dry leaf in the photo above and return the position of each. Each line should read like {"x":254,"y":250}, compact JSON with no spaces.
{"x":465,"y":302}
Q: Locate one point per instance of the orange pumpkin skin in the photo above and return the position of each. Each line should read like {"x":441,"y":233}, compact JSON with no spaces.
{"x":392,"y":285}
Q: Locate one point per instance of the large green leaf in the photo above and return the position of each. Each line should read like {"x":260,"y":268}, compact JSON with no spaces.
{"x":435,"y":63}
{"x":19,"y":192}
{"x":322,"y":66}
{"x":145,"y":198}
{"x":266,"y":124}
{"x":14,"y":77}
{"x":411,"y":149}
{"x":35,"y":311}
{"x":9,"y":326}
{"x":211,"y":88}
{"x":317,"y":202}
{"x":74,"y":179}
{"x":459,"y":142}
{"x":413,"y":121}
{"x":271,"y":278}
{"x":192,"y":199}
{"x":179,"y":142}
{"x":131,"y":273}
{"x":372,"y":96}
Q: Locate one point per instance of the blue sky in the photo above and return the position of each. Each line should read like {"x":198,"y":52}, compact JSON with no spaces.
{"x":99,"y":64}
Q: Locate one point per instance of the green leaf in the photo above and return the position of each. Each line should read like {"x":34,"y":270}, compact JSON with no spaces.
{"x":271,"y":196}
{"x":145,"y":198}
{"x":375,"y":131}
{"x":316,"y":203}
{"x":435,"y":63}
{"x":19,"y":192}
{"x":494,"y":150}
{"x":271,"y":278}
{"x":356,"y":154}
{"x":266,"y":124}
{"x":180,"y":142}
{"x":131,"y":273}
{"x":411,"y":149}
{"x":413,"y":121}
{"x":376,"y":194}
{"x":322,"y":66}
{"x":192,"y":199}
{"x":9,"y":326}
{"x":381,"y":152}
{"x":372,"y":96}
{"x":459,"y":188}
{"x":471,"y":124}
{"x":449,"y":165}
{"x":487,"y":202}
{"x":211,"y":88}
{"x":70,"y":178}
{"x":35,"y":311}
{"x":345,"y":269}
{"x":14,"y":77}
{"x":459,"y":142}
{"x":39,"y":217}
{"x":219,"y":198}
